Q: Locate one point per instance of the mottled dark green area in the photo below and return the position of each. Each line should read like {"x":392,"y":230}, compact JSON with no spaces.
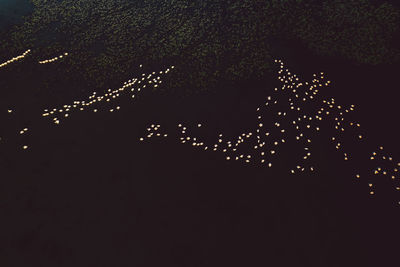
{"x":13,"y":11}
{"x":208,"y":41}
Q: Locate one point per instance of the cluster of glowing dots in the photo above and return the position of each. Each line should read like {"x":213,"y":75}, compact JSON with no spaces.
{"x":99,"y":102}
{"x":290,"y":105}
{"x":14,"y":59}
{"x":154,"y":131}
{"x":106,"y":101}
{"x":53,"y":59}
{"x":21,"y":132}
{"x":384,"y":159}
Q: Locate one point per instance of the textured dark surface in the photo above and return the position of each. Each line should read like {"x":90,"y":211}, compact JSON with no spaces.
{"x":88,"y":193}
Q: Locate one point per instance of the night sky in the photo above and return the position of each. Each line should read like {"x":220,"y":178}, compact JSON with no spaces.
{"x":296,"y":167}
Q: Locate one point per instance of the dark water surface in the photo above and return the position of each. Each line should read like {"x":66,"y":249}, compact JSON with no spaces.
{"x":12,"y":12}
{"x":87,"y":193}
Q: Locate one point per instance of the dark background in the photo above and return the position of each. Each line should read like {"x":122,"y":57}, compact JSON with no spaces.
{"x":87,"y":193}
